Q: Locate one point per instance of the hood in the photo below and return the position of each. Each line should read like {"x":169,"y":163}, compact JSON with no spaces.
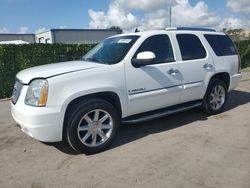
{"x":55,"y":69}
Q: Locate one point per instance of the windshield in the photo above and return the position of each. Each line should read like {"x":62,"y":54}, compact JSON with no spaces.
{"x":111,"y":50}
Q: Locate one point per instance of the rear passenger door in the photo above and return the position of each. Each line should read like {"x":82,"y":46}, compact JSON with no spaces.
{"x":196,"y":65}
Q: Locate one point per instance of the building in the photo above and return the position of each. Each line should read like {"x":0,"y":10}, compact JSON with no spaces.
{"x":66,"y":36}
{"x":14,"y":42}
{"x":75,"y":36}
{"x":245,"y":33}
{"x":29,"y":38}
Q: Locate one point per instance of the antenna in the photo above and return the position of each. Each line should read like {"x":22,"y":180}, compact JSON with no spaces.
{"x":170,"y":16}
{"x":137,"y":30}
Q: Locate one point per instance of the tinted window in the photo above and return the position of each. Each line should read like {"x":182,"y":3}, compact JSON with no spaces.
{"x":160,"y":45}
{"x":191,"y":47}
{"x":221,"y":44}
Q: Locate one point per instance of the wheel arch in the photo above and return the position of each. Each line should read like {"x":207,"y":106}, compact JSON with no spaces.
{"x":224,"y":76}
{"x":109,"y":96}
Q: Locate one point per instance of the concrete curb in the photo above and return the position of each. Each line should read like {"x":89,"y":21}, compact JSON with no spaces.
{"x":6,"y":99}
{"x":246,"y":69}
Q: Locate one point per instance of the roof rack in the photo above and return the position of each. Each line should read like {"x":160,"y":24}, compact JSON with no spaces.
{"x":190,"y":29}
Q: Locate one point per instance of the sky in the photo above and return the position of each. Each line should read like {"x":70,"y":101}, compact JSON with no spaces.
{"x":33,"y":16}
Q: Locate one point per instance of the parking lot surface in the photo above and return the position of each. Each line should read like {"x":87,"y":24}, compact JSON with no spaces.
{"x":188,"y":149}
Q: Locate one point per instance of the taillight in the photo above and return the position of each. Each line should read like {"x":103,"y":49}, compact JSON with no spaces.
{"x":239,"y":63}
{"x":239,"y":59}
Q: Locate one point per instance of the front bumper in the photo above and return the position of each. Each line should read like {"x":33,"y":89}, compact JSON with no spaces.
{"x":42,"y":123}
{"x":234,"y":81}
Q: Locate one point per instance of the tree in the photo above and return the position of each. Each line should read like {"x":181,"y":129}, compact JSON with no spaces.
{"x":115,"y":27}
{"x":235,"y":34}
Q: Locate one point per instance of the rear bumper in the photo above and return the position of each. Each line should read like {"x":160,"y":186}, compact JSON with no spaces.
{"x":234,"y":81}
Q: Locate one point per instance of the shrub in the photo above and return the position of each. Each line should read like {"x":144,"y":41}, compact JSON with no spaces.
{"x":244,"y":50}
{"x":14,"y":58}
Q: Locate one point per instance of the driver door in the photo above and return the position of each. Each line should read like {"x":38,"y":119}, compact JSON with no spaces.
{"x":158,"y":84}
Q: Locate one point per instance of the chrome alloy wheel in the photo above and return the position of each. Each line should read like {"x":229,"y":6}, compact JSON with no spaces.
{"x":217,"y":97}
{"x":95,"y":128}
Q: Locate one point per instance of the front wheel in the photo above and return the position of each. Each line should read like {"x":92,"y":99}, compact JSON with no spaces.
{"x":215,"y":97}
{"x":91,"y":126}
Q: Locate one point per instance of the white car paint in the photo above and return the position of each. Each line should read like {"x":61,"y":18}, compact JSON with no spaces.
{"x":70,"y":80}
{"x":49,"y":70}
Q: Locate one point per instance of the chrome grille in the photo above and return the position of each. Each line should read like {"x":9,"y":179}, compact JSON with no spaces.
{"x":16,"y":91}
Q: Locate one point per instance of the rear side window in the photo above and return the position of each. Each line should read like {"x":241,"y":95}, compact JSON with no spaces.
{"x":161,"y":46}
{"x":191,"y":47}
{"x":221,"y":44}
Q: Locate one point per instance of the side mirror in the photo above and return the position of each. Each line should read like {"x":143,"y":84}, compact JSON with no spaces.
{"x":143,"y":58}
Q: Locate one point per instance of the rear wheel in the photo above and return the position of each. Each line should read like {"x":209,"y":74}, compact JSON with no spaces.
{"x":91,"y":126}
{"x":215,"y":97}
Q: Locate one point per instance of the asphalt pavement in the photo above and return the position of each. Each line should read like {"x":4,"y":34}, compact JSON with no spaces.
{"x":185,"y":150}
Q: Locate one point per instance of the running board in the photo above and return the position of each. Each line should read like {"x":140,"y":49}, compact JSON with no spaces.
{"x":161,"y":113}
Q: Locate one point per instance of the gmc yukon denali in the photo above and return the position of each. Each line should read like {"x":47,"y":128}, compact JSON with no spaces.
{"x":127,"y":78}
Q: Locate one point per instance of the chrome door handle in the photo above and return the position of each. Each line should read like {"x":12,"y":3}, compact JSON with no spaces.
{"x":208,"y":66}
{"x":173,"y":71}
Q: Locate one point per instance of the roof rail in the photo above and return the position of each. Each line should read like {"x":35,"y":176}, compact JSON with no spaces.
{"x":190,"y":29}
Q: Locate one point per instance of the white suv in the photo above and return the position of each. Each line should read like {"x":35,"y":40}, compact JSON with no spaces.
{"x":126,"y":78}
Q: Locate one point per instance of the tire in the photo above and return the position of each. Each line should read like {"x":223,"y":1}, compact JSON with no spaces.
{"x":91,"y":126}
{"x":215,"y":97}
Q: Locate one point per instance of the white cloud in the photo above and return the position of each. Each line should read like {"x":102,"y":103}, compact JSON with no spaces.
{"x":98,"y":19}
{"x":231,"y":23}
{"x":115,"y":16}
{"x":186,"y":15}
{"x":42,"y":29}
{"x":183,"y":14}
{"x":240,"y":6}
{"x":4,"y":30}
{"x":155,"y":14}
{"x":155,"y":20}
{"x":23,"y":29}
{"x":182,"y":1}
{"x":146,"y":5}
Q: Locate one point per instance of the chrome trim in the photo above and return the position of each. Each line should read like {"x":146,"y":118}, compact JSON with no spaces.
{"x":155,"y":89}
{"x":217,"y":97}
{"x":193,"y":85}
{"x":95,"y":128}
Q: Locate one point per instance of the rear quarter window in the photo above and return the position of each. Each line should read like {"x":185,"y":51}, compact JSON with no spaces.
{"x":222,"y":45}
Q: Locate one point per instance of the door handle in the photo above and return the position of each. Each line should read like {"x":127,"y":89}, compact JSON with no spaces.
{"x":208,"y":66}
{"x":173,"y":71}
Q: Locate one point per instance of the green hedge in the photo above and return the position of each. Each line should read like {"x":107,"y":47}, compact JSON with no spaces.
{"x":14,"y":58}
{"x":244,"y":50}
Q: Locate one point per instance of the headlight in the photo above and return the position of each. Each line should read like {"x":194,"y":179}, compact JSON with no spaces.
{"x":37,"y":93}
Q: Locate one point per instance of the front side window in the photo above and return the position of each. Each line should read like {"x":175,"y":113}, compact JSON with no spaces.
{"x":111,"y":50}
{"x":221,"y":44}
{"x":191,"y":47}
{"x":160,"y":45}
